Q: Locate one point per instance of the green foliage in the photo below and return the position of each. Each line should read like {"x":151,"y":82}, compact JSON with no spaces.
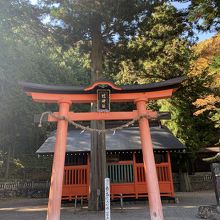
{"x":205,"y":14}
{"x":215,"y":65}
{"x":24,"y":58}
{"x":208,"y":62}
{"x":141,"y":41}
{"x":73,"y":21}
{"x":195,"y":132}
{"x":158,"y":51}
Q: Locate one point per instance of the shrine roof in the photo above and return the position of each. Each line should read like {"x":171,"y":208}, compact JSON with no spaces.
{"x":125,"y":139}
{"x":40,"y":88}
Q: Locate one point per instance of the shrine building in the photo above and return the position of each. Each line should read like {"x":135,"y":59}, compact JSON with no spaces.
{"x":125,"y":166}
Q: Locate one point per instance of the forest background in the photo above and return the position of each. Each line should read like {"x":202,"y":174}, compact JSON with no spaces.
{"x":56,"y":42}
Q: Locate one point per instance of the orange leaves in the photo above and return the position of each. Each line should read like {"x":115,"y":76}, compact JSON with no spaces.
{"x":207,"y":103}
{"x":206,"y":51}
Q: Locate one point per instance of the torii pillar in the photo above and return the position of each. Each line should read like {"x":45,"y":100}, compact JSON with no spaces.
{"x":56,"y":182}
{"x":153,"y":189}
{"x":65,"y":96}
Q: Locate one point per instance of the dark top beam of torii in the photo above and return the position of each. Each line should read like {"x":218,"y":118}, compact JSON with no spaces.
{"x":65,"y":96}
{"x":51,"y":89}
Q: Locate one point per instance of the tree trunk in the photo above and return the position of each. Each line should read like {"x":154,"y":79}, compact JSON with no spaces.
{"x":8,"y":163}
{"x":185,"y":184}
{"x":98,"y":148}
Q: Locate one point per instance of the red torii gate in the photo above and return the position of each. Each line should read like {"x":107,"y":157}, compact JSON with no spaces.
{"x":65,"y":96}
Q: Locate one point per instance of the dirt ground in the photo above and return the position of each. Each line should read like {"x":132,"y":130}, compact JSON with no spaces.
{"x":35,"y":209}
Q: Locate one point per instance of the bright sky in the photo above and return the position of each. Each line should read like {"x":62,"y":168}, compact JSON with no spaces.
{"x":34,"y":2}
{"x":205,"y":35}
{"x":201,"y":35}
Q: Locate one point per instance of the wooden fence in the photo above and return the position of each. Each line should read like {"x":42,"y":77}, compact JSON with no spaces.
{"x":127,"y":180}
{"x":76,"y":182}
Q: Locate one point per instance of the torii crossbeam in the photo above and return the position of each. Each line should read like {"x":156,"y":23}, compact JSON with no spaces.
{"x":103,"y":93}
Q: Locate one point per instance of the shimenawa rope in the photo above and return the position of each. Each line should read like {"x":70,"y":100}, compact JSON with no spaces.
{"x":87,"y":128}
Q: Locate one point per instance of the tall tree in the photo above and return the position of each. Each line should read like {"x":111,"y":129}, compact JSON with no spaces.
{"x":24,"y":57}
{"x":101,"y":26}
{"x":195,"y":107}
{"x":208,"y":62}
{"x":159,"y":51}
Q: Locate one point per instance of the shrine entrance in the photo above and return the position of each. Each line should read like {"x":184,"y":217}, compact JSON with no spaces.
{"x":102,"y":93}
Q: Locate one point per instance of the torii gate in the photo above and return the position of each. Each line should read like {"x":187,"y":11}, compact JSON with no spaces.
{"x":102,"y":92}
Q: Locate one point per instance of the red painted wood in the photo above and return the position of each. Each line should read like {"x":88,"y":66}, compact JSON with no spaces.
{"x":88,"y":98}
{"x":59,"y":154}
{"x":135,"y":189}
{"x":155,"y":205}
{"x":102,"y":83}
{"x":170,"y":173}
{"x":88,"y":116}
{"x":76,"y":182}
{"x":54,"y":202}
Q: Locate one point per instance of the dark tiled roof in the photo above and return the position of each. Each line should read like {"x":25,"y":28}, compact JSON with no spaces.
{"x":126,"y":139}
{"x":168,"y":84}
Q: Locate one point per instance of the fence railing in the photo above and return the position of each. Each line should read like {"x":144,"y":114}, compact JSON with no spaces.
{"x":124,"y":172}
{"x":75,"y":175}
{"x":128,"y":178}
{"x":163,"y":172}
{"x":121,"y":173}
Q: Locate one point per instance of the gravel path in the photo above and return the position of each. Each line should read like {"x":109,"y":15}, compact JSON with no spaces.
{"x":35,"y":209}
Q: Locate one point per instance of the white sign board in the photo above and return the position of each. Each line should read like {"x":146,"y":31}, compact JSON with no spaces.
{"x":107,"y":199}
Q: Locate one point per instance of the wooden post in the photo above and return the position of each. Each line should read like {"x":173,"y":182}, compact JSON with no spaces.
{"x":88,"y":175}
{"x":98,"y":148}
{"x":97,"y":168}
{"x":54,"y":203}
{"x":170,"y":174}
{"x":135,"y":174}
{"x":153,"y":190}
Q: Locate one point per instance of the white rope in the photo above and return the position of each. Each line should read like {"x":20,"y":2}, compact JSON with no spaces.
{"x":87,"y":128}
{"x":41,"y":118}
